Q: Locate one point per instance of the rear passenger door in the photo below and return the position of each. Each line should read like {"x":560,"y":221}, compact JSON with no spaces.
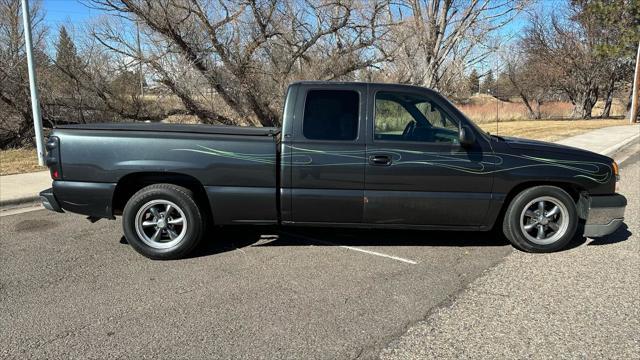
{"x":325,"y":153}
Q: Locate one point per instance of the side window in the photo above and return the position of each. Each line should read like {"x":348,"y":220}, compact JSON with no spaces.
{"x":436,"y":116}
{"x":391,"y":118}
{"x":409,"y":117}
{"x":331,"y":115}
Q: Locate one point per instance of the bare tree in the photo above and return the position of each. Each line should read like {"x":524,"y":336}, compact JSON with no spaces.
{"x":590,"y":48}
{"x":565,"y":47}
{"x":102,"y":85}
{"x":615,"y":27}
{"x":248,"y":51}
{"x":435,"y":35}
{"x":16,"y":124}
{"x":525,"y":79}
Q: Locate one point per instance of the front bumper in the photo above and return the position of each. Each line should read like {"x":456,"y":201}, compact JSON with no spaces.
{"x":49,"y":201}
{"x":606,"y":214}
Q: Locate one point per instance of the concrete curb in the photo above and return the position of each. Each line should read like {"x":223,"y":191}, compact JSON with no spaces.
{"x":19,"y":201}
{"x":617,"y":147}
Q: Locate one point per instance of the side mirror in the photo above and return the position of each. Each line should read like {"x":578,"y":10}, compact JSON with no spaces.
{"x":466,"y":136}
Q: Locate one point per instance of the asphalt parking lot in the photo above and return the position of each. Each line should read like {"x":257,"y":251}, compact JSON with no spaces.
{"x":581,"y":303}
{"x":72,"y":289}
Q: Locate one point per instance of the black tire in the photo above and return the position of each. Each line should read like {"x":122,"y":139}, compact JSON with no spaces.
{"x":186,"y":206}
{"x":513,"y":225}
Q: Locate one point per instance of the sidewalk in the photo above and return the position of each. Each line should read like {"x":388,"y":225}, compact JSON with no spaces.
{"x":605,"y":141}
{"x":24,"y":188}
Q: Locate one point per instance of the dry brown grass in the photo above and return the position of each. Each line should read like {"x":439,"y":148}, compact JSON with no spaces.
{"x":18,"y":161}
{"x":549,"y":130}
{"x":482,"y":108}
{"x":181,"y":119}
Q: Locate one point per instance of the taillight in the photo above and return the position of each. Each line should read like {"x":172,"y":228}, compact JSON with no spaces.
{"x":52,"y":159}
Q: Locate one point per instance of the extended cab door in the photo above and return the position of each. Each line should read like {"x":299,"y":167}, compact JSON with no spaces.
{"x":323,"y":150}
{"x":417,"y":173}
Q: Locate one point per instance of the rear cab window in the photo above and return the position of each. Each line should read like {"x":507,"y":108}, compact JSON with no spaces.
{"x":331,"y":115}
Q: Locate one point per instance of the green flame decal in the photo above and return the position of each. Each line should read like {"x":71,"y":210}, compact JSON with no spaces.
{"x":490,"y":164}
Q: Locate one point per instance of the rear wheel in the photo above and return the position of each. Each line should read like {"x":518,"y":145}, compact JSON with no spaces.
{"x":162,"y":222}
{"x":541,"y":219}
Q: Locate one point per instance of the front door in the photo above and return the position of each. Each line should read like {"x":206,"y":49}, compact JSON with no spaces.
{"x":417,"y":173}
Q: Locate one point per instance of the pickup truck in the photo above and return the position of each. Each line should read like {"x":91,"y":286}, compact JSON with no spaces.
{"x":360,"y":155}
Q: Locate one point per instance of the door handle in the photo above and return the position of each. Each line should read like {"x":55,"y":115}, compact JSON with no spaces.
{"x":381,"y":160}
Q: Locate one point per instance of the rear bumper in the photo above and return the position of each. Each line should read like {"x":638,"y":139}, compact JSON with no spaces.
{"x":49,"y":200}
{"x":87,"y":198}
{"x":606,"y":214}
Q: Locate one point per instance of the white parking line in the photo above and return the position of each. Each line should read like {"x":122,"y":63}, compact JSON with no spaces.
{"x":408,"y":261}
{"x":379,"y":254}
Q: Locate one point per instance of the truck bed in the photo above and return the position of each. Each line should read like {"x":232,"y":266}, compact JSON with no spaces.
{"x":236,"y":166}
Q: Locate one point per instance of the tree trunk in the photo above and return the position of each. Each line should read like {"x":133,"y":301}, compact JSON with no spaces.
{"x":629,"y":103}
{"x":584,"y":104}
{"x":530,"y":111}
{"x":606,"y":112}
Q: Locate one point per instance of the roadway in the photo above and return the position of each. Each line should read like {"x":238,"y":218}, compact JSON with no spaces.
{"x":69,"y":288}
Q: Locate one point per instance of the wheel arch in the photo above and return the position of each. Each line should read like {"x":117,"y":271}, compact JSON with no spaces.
{"x":131,"y":183}
{"x":574,"y":190}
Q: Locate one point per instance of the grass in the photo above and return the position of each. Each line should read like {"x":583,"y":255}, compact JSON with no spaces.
{"x":549,"y":130}
{"x":481,"y":108}
{"x":18,"y":161}
{"x":513,"y":111}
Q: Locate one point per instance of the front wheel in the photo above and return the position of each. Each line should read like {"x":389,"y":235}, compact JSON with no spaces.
{"x":162,"y":222}
{"x":541,"y":219}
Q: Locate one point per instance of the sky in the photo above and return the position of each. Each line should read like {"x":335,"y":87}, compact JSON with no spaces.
{"x":59,"y":12}
{"x":76,"y":12}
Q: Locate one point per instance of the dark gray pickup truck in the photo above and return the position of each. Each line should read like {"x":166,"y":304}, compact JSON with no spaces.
{"x":348,"y":155}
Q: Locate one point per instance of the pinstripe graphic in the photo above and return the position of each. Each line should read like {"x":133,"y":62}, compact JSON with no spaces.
{"x":490,"y":164}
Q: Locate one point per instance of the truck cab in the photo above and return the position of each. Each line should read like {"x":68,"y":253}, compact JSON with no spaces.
{"x":381,"y":154}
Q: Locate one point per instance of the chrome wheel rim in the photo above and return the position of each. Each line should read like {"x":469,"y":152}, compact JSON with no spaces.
{"x":544,"y":220}
{"x":161,"y":224}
